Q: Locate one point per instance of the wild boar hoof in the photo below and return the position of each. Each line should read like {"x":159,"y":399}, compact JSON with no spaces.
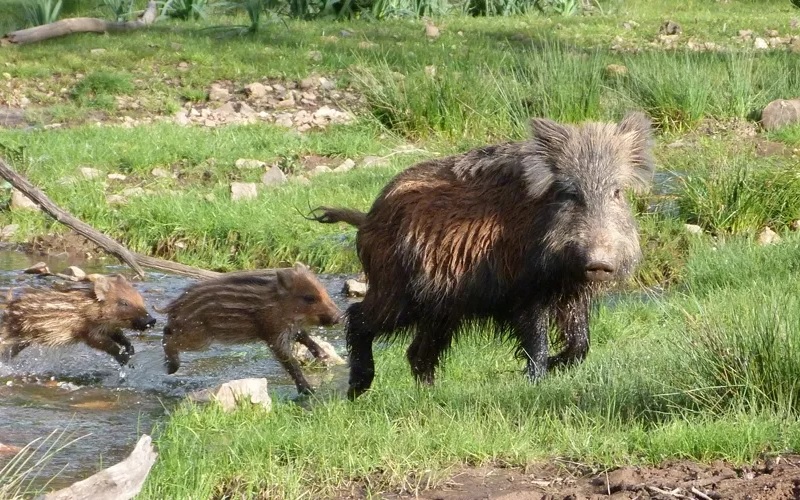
{"x":123,"y":358}
{"x":172,"y":367}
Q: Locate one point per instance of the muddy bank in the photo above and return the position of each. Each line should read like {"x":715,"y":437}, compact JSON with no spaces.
{"x":774,"y":478}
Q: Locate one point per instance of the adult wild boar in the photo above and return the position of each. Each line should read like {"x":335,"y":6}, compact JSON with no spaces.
{"x":93,"y":314}
{"x":240,"y":307}
{"x":520,"y":232}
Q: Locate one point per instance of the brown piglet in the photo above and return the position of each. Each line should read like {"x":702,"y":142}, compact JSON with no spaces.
{"x":94,"y":314}
{"x":273,"y":306}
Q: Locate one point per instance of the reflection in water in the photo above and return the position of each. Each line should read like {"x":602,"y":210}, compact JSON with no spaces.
{"x":85,"y":392}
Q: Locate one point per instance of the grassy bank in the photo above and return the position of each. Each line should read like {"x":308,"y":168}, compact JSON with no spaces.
{"x":710,"y":372}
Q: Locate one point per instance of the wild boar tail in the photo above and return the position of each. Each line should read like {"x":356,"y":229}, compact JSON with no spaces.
{"x":327,"y":215}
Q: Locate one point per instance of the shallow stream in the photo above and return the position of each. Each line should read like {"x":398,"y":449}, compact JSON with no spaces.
{"x":84,"y":393}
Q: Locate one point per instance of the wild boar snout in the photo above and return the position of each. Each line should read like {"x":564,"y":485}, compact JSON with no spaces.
{"x":143,"y":322}
{"x":599,"y":270}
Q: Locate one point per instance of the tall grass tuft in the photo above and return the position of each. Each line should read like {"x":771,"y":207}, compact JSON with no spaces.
{"x":443,"y":100}
{"x":675,"y":89}
{"x":558,"y":81}
{"x":744,"y":352}
{"x":736,"y":199}
{"x":42,"y":12}
{"x":16,"y":475}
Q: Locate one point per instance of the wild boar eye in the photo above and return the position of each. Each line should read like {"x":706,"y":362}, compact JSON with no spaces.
{"x":617,"y":193}
{"x":309,"y":299}
{"x":123,"y":303}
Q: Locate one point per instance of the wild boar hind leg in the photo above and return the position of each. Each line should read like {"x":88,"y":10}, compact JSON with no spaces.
{"x":10,"y":348}
{"x":433,"y":337}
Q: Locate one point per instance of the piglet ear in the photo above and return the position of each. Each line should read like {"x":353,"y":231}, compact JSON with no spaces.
{"x":636,"y":133}
{"x":299,"y":266}
{"x":101,"y":285}
{"x":285,"y":280}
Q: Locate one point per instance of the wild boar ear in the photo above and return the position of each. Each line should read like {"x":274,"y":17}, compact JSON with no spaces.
{"x":636,"y":131}
{"x":300,"y":266}
{"x":285,"y":280}
{"x":101,"y":285}
{"x":539,"y":164}
{"x":120,"y":279}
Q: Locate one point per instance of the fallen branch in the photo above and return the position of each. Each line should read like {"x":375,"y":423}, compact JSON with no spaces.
{"x":118,"y":482}
{"x":80,"y":25}
{"x":133,"y":259}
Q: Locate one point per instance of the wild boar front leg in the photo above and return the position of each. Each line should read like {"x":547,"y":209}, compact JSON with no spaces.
{"x":304,"y":338}
{"x":104,"y":343}
{"x":572,"y":319}
{"x":281,"y":348}
{"x":530,"y":327}
{"x":122,"y":340}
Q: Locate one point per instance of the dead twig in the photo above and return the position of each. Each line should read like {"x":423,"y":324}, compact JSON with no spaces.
{"x":134,"y":260}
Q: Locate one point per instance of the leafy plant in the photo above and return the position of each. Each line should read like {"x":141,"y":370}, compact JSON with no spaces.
{"x":185,"y":9}
{"x":42,"y":12}
{"x":120,"y":10}
{"x":254,"y":9}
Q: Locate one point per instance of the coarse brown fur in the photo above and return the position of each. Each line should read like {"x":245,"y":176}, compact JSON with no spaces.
{"x":274,"y":306}
{"x":520,"y":232}
{"x":93,"y":313}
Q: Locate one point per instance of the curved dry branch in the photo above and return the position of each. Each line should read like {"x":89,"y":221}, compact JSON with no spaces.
{"x":133,"y":259}
{"x":80,"y":25}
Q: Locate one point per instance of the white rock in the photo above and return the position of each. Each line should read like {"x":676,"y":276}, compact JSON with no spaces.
{"x":245,"y":163}
{"x":329,"y":357}
{"x":760,"y":43}
{"x":693,"y":229}
{"x":75,"y":272}
{"x":355,"y":288}
{"x":133,"y":191}
{"x":89,"y":173}
{"x":218,"y":93}
{"x":38,"y":268}
{"x":345,"y":166}
{"x":243,"y":191}
{"x":117,"y":177}
{"x":8,"y":231}
{"x":320,"y":169}
{"x":767,"y":237}
{"x":21,"y":202}
{"x":253,"y":390}
{"x":255,"y":90}
{"x":284,"y":121}
{"x":326,"y":84}
{"x":160,"y":172}
{"x":273,"y":176}
{"x":116,"y":199}
{"x":97,"y":51}
{"x":374,"y":161}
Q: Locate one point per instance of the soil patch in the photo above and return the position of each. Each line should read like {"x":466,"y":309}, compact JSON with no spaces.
{"x":773,"y":478}
{"x":67,"y":243}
